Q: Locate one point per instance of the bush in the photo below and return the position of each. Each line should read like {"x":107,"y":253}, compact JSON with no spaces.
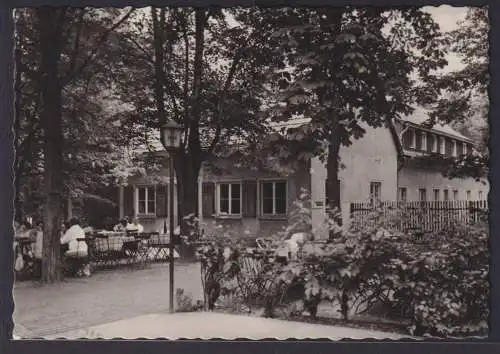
{"x":440,"y":287}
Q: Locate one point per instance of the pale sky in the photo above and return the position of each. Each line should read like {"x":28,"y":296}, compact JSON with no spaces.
{"x":447,"y":17}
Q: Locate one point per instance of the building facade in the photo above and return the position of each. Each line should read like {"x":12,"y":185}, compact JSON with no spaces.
{"x":387,"y":164}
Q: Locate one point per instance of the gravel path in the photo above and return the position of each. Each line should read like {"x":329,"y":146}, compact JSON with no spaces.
{"x":109,"y":295}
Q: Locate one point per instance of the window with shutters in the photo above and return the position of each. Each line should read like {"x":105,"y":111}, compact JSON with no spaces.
{"x":146,"y":200}
{"x":455,"y":195}
{"x":229,"y":199}
{"x":273,"y":197}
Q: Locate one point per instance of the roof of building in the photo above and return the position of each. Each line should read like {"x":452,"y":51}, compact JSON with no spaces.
{"x":421,"y":115}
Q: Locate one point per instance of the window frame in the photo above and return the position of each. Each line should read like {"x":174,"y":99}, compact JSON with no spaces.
{"x":147,"y":212}
{"x":230,"y":199}
{"x":413,"y":136}
{"x":468,"y":195}
{"x":423,"y":138}
{"x":446,"y":195}
{"x":424,"y":190}
{"x":261,"y":197}
{"x":434,"y":147}
{"x":436,"y":196}
{"x":442,"y":145}
{"x":455,"y":194}
{"x":379,"y":199}
{"x":400,"y":194}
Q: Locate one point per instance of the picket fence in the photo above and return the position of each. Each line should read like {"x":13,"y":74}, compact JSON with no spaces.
{"x":424,"y":215}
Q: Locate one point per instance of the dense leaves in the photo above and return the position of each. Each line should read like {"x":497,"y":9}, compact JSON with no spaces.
{"x":438,"y":287}
{"x":460,"y":97}
{"x":349,"y":69}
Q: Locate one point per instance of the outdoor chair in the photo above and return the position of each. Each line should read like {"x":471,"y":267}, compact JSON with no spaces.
{"x":143,"y":249}
{"x":74,"y":262}
{"x":159,"y":245}
{"x":108,"y":250}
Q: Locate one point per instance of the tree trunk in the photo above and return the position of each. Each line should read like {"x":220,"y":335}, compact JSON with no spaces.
{"x":17,"y":131}
{"x":51,"y":122}
{"x":187,"y":169}
{"x":333,"y":182}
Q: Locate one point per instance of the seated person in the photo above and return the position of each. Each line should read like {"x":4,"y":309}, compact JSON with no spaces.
{"x":24,"y":230}
{"x":135,"y":226}
{"x":38,"y":246}
{"x":75,"y":248}
{"x":122,"y":225}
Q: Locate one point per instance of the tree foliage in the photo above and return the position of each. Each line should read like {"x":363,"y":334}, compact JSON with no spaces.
{"x":92,"y":142}
{"x":349,"y":68}
{"x":205,"y":69}
{"x":461,"y":96}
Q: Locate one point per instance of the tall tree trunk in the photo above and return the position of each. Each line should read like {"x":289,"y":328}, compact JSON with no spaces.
{"x":17,"y":131}
{"x":187,"y":168}
{"x":333,"y":182}
{"x":50,"y":37}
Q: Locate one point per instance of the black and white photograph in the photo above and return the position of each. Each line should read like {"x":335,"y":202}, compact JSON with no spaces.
{"x":251,"y":172}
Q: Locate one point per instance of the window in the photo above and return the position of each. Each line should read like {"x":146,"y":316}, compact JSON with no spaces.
{"x":424,"y":141}
{"x":442,"y":146}
{"x":455,"y":150}
{"x":274,"y":197}
{"x":436,"y":194}
{"x":480,"y":195}
{"x":434,"y":143}
{"x":146,"y":200}
{"x":229,"y":198}
{"x":455,"y":195}
{"x":375,"y":191}
{"x":464,"y":149}
{"x":467,"y":195}
{"x":413,"y":138}
{"x":422,"y":194}
{"x":446,"y":195}
{"x":403,"y":194}
{"x":418,"y":145}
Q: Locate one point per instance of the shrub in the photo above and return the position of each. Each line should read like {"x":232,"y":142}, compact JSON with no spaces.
{"x":440,"y":286}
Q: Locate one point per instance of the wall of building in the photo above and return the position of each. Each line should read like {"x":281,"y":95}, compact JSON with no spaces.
{"x":256,"y":226}
{"x":416,"y":177}
{"x":372,"y":158}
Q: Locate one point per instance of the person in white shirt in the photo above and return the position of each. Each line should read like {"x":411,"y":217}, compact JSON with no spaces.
{"x":123,"y":225}
{"x":38,"y":247}
{"x":76,"y":248}
{"x":135,"y":226}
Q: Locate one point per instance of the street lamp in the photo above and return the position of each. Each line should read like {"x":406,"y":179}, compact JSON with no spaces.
{"x":171,"y":134}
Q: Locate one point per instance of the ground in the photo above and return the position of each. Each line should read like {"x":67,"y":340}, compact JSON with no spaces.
{"x":107,"y":296}
{"x":121,"y":295}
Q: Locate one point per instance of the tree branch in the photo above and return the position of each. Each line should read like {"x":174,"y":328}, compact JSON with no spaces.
{"x":227,"y":84}
{"x":77,"y":42}
{"x":100,"y":42}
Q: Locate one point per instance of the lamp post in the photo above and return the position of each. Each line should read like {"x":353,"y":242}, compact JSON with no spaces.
{"x":171,"y":134}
